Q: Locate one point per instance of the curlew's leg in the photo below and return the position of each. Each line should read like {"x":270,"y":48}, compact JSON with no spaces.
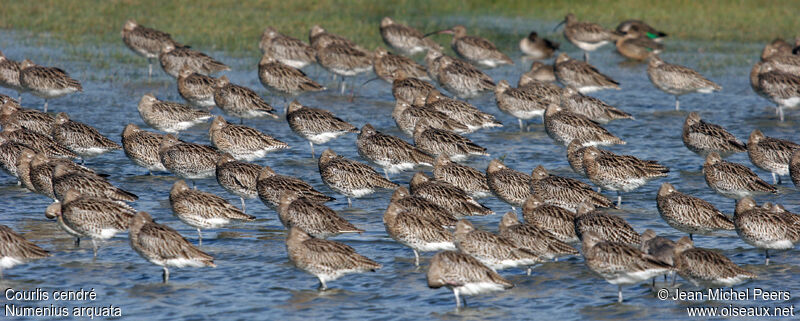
{"x":386,"y":173}
{"x":77,"y":242}
{"x":677,"y":103}
{"x":243,"y":206}
{"x":458,"y":302}
{"x":513,"y":209}
{"x":776,"y":179}
{"x":674,"y":278}
{"x":94,"y":247}
{"x":165,"y":275}
{"x":586,"y":56}
{"x":416,"y":257}
{"x":520,"y":124}
{"x":45,"y":105}
{"x":599,"y":189}
{"x":349,"y":202}
{"x":199,"y":238}
{"x":19,"y":99}
{"x":149,"y":68}
{"x":619,"y":293}
{"x":1,"y":273}
{"x":766,"y":253}
{"x":312,"y":149}
{"x":619,"y":199}
{"x":322,"y":285}
{"x":529,"y":271}
{"x":780,"y":112}
{"x":241,"y":121}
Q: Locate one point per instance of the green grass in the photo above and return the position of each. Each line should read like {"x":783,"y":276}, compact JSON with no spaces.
{"x":236,"y":26}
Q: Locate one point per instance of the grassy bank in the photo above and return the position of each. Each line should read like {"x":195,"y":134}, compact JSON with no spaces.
{"x":236,"y":25}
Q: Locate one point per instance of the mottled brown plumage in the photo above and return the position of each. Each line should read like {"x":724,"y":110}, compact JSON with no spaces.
{"x":81,"y":215}
{"x":289,"y":51}
{"x":677,"y":80}
{"x":556,"y":220}
{"x":350,"y":178}
{"x":283,"y":79}
{"x":80,"y":138}
{"x":46,"y":82}
{"x":15,"y":249}
{"x":707,"y":267}
{"x":565,"y":126}
{"x":318,"y":126}
{"x":187,"y":160}
{"x":327,"y":260}
{"x":161,"y":245}
{"x":391,"y":153}
{"x":476,"y":50}
{"x":239,"y":101}
{"x":764,"y":228}
{"x":174,"y":58}
{"x":464,"y":177}
{"x":620,"y":173}
{"x":197,"y":89}
{"x":607,"y":227}
{"x":690,"y":214}
{"x":564,"y":192}
{"x":733,"y":180}
{"x":169,"y":116}
{"x":202,"y":210}
{"x":33,"y":120}
{"x":237,"y":177}
{"x":86,"y":184}
{"x":416,"y":232}
{"x":534,"y":239}
{"x":142,"y":146}
{"x":619,"y":263}
{"x":495,"y":251}
{"x":422,"y":207}
{"x":405,"y":39}
{"x":703,"y":138}
{"x":510,"y":186}
{"x":447,"y":196}
{"x":244,"y":143}
{"x":387,"y":65}
{"x":581,"y":75}
{"x":270,"y":186}
{"x":463,"y":274}
{"x":771,"y":154}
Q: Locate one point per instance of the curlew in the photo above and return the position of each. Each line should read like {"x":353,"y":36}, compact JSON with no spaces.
{"x":161,"y":245}
{"x":464,"y":275}
{"x":244,"y":143}
{"x":689,"y":214}
{"x":316,"y":125}
{"x":678,"y":80}
{"x":83,"y":216}
{"x":620,"y":264}
{"x":202,"y":210}
{"x":733,"y":180}
{"x":46,"y":82}
{"x":350,"y":178}
{"x":325,"y":259}
{"x":168,"y":116}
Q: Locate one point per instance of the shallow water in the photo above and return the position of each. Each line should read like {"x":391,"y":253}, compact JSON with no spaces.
{"x":254,"y":279}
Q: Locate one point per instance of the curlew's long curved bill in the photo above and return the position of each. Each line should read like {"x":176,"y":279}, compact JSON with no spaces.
{"x":559,"y":25}
{"x":445,"y":31}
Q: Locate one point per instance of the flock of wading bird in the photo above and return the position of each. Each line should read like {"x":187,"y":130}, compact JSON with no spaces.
{"x":38,"y":149}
